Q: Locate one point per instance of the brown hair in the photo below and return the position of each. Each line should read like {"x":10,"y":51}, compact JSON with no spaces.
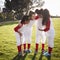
{"x":25,"y":18}
{"x":46,"y":16}
{"x":30,"y":13}
{"x":37,"y":11}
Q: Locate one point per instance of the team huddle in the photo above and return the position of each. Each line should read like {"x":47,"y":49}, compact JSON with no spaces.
{"x":44,"y":31}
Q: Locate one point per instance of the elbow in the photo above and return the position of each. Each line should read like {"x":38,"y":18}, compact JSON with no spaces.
{"x":47,"y":29}
{"x":15,"y":30}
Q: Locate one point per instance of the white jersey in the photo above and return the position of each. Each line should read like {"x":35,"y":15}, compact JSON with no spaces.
{"x":28,"y":27}
{"x":39,"y":24}
{"x":22,"y":29}
{"x":40,"y":35}
{"x":31,"y":23}
{"x":51,"y":31}
{"x":51,"y":25}
{"x":28,"y":31}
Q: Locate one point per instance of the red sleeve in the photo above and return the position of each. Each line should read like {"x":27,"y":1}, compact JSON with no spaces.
{"x":17,"y":27}
{"x":37,"y":17}
{"x":47,"y":26}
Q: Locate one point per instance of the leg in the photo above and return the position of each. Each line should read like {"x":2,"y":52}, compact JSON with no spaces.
{"x":24,"y":42}
{"x":50,"y":41}
{"x":37,"y":40}
{"x":50,"y":44}
{"x":18,"y":41}
{"x":29,"y":41}
{"x":43,"y":36}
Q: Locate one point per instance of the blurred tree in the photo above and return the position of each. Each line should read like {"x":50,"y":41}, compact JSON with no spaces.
{"x":22,"y":6}
{"x":8,"y":5}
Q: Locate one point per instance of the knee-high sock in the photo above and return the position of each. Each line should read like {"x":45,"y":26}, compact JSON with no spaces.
{"x":24,"y":46}
{"x":49,"y":50}
{"x":37,"y":47}
{"x":29,"y":46}
{"x":19,"y":48}
{"x":42,"y":46}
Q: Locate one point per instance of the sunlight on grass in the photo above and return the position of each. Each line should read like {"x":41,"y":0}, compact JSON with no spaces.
{"x":8,"y":49}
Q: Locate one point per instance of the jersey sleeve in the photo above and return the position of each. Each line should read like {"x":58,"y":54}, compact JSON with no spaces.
{"x":36,"y":17}
{"x":47,"y":26}
{"x":18,"y":27}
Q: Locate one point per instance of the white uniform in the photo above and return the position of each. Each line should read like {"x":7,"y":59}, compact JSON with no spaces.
{"x":40,"y":35}
{"x":19,"y":39}
{"x":28,"y":32}
{"x":50,"y":35}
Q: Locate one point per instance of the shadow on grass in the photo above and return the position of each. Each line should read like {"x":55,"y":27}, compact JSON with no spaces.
{"x":49,"y":58}
{"x":41,"y":55}
{"x":23,"y":58}
{"x":34,"y":57}
{"x":17,"y":57}
{"x":1,"y":53}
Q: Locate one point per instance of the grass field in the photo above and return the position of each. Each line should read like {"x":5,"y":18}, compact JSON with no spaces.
{"x":8,"y":49}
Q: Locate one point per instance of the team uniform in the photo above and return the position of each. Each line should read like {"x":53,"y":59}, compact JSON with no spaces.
{"x":19,"y":39}
{"x":50,"y":37}
{"x":49,"y":32}
{"x":40,"y":35}
{"x":28,"y":33}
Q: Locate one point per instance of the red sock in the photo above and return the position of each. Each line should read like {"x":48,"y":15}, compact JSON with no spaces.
{"x":49,"y":50}
{"x":37,"y":47}
{"x":24,"y":46}
{"x":19,"y":48}
{"x":42,"y":46}
{"x":28,"y":46}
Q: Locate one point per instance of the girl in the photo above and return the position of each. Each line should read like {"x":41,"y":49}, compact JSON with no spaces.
{"x":19,"y":29}
{"x":40,"y":34}
{"x":49,"y":31}
{"x":28,"y":32}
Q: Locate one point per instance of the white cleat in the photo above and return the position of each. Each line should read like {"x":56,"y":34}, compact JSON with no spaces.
{"x":46,"y":54}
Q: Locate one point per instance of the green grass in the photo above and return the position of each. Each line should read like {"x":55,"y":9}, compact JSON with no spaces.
{"x":8,"y":49}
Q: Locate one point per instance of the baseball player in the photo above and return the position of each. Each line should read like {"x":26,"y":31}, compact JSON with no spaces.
{"x":28,"y":31}
{"x":49,"y":31}
{"x":19,"y":29}
{"x":40,"y":35}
